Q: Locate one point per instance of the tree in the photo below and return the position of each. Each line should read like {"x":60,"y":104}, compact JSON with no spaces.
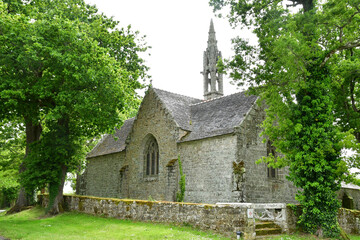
{"x":303,"y":45}
{"x":12,"y":151}
{"x":70,"y":74}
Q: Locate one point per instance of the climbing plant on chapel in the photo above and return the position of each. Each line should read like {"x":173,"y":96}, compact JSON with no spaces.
{"x":180,"y":195}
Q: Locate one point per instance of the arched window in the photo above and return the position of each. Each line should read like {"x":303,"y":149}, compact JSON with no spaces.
{"x":151,"y":157}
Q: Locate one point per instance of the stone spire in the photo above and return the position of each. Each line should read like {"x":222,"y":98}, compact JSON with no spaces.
{"x":212,"y":78}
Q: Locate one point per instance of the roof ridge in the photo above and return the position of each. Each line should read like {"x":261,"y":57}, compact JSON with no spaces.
{"x":217,"y":98}
{"x":176,"y":94}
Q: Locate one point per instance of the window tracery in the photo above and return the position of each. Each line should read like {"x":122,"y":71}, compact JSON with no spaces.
{"x":152,"y":157}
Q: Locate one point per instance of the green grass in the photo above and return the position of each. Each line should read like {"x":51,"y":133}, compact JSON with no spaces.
{"x":294,"y":237}
{"x":29,"y":224}
{"x":304,"y":236}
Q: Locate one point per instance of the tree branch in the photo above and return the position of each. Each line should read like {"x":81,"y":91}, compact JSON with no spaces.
{"x":352,"y":86}
{"x":346,"y":46}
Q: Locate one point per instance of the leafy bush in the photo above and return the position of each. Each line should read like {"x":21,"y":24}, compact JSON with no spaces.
{"x":180,"y":195}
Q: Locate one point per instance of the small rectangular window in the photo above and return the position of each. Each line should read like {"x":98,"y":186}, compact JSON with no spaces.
{"x":271,"y":172}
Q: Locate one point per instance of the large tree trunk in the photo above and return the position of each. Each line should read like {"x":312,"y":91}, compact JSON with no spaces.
{"x":33,"y":132}
{"x":56,"y":206}
{"x":56,"y":199}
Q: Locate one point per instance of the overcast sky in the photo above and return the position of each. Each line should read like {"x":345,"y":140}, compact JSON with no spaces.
{"x":177,"y":31}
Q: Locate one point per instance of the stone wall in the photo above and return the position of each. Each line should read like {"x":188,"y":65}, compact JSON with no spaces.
{"x":349,"y":220}
{"x":153,"y":120}
{"x":259,"y":187}
{"x":207,"y":164}
{"x":348,"y":196}
{"x":102,"y":176}
{"x":224,"y":219}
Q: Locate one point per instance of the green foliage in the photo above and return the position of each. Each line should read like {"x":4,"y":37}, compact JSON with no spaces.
{"x":70,"y":70}
{"x":238,"y":168}
{"x":12,"y":151}
{"x":239,"y":171}
{"x":180,"y":195}
{"x":305,"y":67}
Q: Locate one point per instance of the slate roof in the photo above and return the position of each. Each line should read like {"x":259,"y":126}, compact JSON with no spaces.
{"x":202,"y":119}
{"x":178,"y":105}
{"x":113,"y":143}
{"x":350,"y":186}
{"x":219,"y":116}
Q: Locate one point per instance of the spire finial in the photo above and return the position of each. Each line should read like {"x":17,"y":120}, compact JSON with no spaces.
{"x":211,"y":75}
{"x":211,"y":30}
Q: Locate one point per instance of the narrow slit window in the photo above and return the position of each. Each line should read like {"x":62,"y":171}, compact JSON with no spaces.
{"x":271,"y":172}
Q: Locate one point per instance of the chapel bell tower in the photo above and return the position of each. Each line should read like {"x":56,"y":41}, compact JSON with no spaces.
{"x":213,"y":80}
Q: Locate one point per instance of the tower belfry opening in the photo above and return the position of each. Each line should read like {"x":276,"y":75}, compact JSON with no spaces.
{"x":213,"y":80}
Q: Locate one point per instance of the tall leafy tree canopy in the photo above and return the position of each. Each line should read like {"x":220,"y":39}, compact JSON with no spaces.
{"x":69,"y":74}
{"x":306,"y":68}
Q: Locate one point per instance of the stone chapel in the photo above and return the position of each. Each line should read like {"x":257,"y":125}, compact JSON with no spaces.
{"x":216,"y":138}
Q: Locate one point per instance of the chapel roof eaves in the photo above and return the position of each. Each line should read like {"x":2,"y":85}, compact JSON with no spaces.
{"x":113,"y":143}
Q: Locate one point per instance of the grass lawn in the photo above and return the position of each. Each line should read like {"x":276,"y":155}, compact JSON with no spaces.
{"x":71,"y":225}
{"x":29,"y":225}
{"x":304,"y":236}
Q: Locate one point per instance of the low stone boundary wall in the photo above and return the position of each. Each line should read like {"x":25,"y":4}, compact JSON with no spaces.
{"x":226,"y":219}
{"x":349,"y":220}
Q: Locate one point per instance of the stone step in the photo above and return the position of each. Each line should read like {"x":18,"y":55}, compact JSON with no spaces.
{"x":260,"y":225}
{"x":268,"y":236}
{"x":268,"y":231}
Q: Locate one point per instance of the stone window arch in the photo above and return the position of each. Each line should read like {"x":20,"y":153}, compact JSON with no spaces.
{"x":151,"y":156}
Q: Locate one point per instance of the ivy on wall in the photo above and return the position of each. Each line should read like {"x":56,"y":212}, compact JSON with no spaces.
{"x":180,"y":195}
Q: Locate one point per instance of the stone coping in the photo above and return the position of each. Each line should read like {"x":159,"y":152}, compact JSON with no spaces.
{"x":130,"y":201}
{"x":255,"y":205}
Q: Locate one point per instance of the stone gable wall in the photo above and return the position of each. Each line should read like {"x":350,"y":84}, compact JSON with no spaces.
{"x":102,"y":175}
{"x":152,"y":119}
{"x":258,"y":187}
{"x":207,"y":164}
